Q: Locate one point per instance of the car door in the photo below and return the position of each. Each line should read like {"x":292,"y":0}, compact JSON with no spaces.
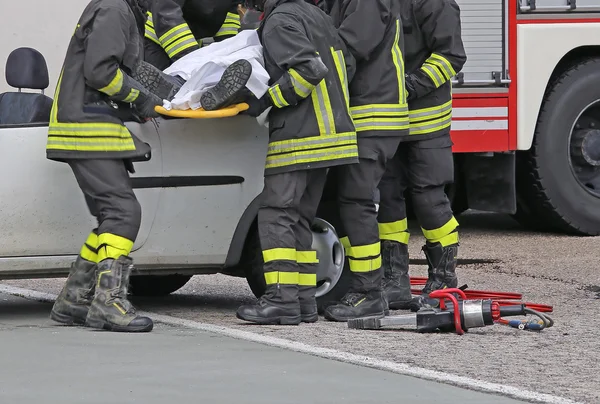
{"x":42,"y":210}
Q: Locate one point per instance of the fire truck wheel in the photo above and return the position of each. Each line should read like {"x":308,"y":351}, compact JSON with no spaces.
{"x":559,"y":179}
{"x":156,"y":285}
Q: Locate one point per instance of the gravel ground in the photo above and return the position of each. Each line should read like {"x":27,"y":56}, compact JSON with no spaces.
{"x":551,"y":269}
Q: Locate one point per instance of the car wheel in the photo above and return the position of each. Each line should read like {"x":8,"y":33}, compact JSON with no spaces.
{"x":332,"y":276}
{"x":156,"y":285}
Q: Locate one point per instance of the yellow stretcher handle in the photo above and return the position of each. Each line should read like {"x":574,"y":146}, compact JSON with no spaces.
{"x":200,"y":113}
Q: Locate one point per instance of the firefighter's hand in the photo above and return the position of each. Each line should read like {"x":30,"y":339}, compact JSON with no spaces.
{"x":257,"y":106}
{"x":145,"y":108}
{"x":410,"y":87}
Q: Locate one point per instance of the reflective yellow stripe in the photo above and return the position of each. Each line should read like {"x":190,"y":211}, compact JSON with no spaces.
{"x":302,"y":87}
{"x":399,"y":63}
{"x":89,"y":250}
{"x":307,"y":279}
{"x":180,"y":45}
{"x":424,"y":114}
{"x":151,"y":34}
{"x":230,"y":26}
{"x":393,"y":227}
{"x":370,"y":110}
{"x":368,"y":265}
{"x":120,"y":308}
{"x":176,"y":32}
{"x":283,"y":278}
{"x":345,"y":242}
{"x":364,"y":251}
{"x":133,"y":95}
{"x":102,"y":273}
{"x":113,"y":246}
{"x":436,"y":234}
{"x":340,"y":65}
{"x":274,"y":254}
{"x":307,"y":257}
{"x":381,"y":124}
{"x":115,"y":84}
{"x":313,"y":142}
{"x":445,"y":241}
{"x":443,"y":63}
{"x":323,"y":112}
{"x":304,"y":157}
{"x":435,"y":125}
{"x":400,"y":237}
{"x":277,"y":97}
{"x":433,"y":73}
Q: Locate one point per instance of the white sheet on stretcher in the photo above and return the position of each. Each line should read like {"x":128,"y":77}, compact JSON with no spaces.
{"x":204,"y":67}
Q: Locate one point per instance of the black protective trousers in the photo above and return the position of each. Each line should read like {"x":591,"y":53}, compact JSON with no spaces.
{"x":358,"y":229}
{"x":289,"y":203}
{"x":424,"y":167}
{"x":106,"y":186}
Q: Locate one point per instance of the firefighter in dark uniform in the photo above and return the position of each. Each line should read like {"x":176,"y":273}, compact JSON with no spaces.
{"x":373,"y":33}
{"x":176,"y":28}
{"x":310,"y":130}
{"x":423,"y":163}
{"x":86,"y":133}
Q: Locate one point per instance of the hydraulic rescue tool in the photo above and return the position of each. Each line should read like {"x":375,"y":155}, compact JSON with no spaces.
{"x":459,"y":315}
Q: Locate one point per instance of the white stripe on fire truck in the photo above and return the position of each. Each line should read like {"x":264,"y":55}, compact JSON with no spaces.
{"x":496,"y":124}
{"x":488,"y":112}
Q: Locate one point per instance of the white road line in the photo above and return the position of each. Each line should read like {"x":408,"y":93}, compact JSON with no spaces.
{"x":399,"y":368}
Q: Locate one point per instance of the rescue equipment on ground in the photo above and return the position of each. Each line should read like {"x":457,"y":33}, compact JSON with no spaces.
{"x":475,"y":308}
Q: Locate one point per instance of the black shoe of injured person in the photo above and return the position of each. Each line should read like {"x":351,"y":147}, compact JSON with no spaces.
{"x":155,"y":81}
{"x":278,"y":306}
{"x":441,"y":274}
{"x":73,"y":302}
{"x":356,"y":305}
{"x":396,"y":282}
{"x":110,"y":309}
{"x":231,"y":89}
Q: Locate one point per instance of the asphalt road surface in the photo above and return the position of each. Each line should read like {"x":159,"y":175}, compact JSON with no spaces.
{"x":559,"y":270}
{"x":47,"y":363}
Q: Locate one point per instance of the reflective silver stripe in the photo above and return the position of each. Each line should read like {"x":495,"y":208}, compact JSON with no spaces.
{"x":341,"y":65}
{"x":372,"y":124}
{"x":428,"y":127}
{"x":372,"y":111}
{"x":301,"y":89}
{"x":320,"y":100}
{"x":434,"y":74}
{"x":325,"y":155}
{"x":178,"y":33}
{"x":400,"y":60}
{"x":302,"y":144}
{"x":181,"y":46}
{"x":445,"y":64}
{"x":117,"y":130}
{"x":152,"y":35}
{"x":431,"y":112}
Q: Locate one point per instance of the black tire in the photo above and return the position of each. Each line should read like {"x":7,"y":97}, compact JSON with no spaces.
{"x":252,"y":262}
{"x":156,"y":285}
{"x":551,"y":196}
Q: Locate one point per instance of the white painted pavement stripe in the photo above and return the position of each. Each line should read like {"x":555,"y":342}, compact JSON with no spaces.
{"x":480,"y":125}
{"x":491,"y":112}
{"x":399,"y":368}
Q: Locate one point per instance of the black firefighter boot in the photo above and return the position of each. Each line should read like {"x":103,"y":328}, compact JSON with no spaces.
{"x":110,"y":309}
{"x":396,"y":282}
{"x":73,"y":302}
{"x":279,"y":305}
{"x":308,"y":304}
{"x":231,"y":89}
{"x":158,"y":83}
{"x":441,"y":273}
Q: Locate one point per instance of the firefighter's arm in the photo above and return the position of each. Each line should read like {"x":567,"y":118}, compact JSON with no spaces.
{"x":104,"y":52}
{"x":232,"y":24}
{"x":440,"y":24}
{"x":173,"y":33}
{"x":363,"y":26}
{"x":286,"y":42}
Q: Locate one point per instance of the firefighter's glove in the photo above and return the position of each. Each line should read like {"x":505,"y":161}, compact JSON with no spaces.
{"x":145,"y":104}
{"x":257,"y":106}
{"x":410,"y":87}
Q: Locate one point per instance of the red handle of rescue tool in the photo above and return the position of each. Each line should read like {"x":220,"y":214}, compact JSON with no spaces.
{"x":447,"y":294}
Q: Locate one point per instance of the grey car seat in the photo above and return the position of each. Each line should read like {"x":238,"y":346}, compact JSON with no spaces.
{"x":25,"y":69}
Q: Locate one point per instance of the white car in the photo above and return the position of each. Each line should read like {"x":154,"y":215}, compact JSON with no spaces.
{"x":199,"y":196}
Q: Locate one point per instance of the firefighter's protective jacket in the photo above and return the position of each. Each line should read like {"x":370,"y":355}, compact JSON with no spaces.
{"x":372,"y":31}
{"x":178,"y":26}
{"x":434,"y":53}
{"x":106,"y":46}
{"x":310,"y":124}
